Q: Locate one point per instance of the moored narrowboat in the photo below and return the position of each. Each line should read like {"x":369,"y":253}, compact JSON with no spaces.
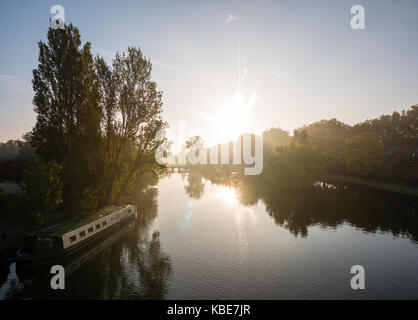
{"x":68,"y":237}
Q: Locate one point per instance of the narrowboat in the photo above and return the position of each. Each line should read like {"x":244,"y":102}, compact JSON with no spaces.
{"x":66,"y":238}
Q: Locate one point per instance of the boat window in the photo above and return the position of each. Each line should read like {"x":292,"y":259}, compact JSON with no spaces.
{"x":97,"y":226}
{"x":91,"y":230}
{"x":82,"y":234}
{"x":104,"y":223}
{"x":73,"y":238}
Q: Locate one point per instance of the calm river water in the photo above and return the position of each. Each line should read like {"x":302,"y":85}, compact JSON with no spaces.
{"x":198,"y":240}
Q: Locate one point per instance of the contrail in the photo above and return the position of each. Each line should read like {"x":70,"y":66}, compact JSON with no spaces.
{"x":193,"y":111}
{"x":190,"y":73}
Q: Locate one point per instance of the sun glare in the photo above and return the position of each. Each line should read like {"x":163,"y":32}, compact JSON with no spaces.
{"x":231,"y":120}
{"x":228,"y":195}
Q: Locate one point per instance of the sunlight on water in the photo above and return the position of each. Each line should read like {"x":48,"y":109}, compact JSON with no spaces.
{"x":228,"y":194}
{"x":200,"y":240}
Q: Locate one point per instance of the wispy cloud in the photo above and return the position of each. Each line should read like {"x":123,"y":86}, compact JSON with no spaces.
{"x":190,"y":73}
{"x":192,"y":111}
{"x":8,"y":77}
{"x":282,"y":74}
{"x":11,"y":82}
{"x":108,"y":55}
{"x":231,"y":18}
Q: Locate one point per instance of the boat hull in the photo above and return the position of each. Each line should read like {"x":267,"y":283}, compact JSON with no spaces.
{"x":35,"y":261}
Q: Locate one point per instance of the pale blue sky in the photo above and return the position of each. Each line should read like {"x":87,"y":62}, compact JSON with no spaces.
{"x":301,"y":59}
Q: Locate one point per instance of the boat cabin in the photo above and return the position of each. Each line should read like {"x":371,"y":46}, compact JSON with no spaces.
{"x":67,"y":234}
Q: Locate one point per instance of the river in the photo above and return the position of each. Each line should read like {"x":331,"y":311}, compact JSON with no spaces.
{"x":197,"y":240}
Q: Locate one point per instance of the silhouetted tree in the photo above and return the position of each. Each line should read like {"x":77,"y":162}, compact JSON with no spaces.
{"x":63,"y":89}
{"x":132,"y":110}
{"x":273,"y":138}
{"x":44,"y":190}
{"x":98,"y":122}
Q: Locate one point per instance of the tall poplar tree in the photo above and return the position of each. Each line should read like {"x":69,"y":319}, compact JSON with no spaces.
{"x":68,"y":127}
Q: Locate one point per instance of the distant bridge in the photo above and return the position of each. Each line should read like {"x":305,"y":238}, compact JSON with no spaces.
{"x":171,"y":168}
{"x":178,"y":168}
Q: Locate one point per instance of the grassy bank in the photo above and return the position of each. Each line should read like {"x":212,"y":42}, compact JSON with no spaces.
{"x":398,"y":188}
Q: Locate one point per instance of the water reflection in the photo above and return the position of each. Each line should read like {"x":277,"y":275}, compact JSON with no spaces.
{"x":366,"y":209}
{"x":325,"y":205}
{"x":222,"y":238}
{"x":129,"y":264}
{"x":228,"y":194}
{"x":195,"y":185}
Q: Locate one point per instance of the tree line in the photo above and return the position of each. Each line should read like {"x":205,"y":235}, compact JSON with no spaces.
{"x":15,"y":156}
{"x":385,"y":148}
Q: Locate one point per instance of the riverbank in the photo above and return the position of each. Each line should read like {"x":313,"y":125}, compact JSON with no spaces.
{"x":398,"y":188}
{"x":13,"y":232}
{"x":12,"y":235}
{"x":8,"y":250}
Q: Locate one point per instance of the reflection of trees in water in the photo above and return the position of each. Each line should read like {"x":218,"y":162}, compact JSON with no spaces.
{"x":369,"y":210}
{"x":297,"y":212}
{"x":154,"y":268}
{"x":362,"y":207}
{"x":138,"y":269}
{"x":246,"y":191}
{"x":296,"y":207}
{"x":195,"y":186}
{"x":10,"y":287}
{"x":4,"y":271}
{"x":133,"y":267}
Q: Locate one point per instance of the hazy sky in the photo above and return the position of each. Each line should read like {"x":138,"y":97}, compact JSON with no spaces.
{"x":300,"y":61}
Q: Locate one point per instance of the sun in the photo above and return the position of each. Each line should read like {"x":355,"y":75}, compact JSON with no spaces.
{"x":232,"y":120}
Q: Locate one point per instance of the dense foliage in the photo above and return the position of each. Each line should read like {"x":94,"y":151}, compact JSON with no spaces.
{"x":97,"y":121}
{"x":95,"y":130}
{"x":383,"y":148}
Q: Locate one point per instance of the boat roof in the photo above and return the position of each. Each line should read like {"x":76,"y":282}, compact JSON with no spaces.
{"x":61,"y":228}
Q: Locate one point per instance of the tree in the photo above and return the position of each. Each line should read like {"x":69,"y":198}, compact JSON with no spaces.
{"x":26,"y":151}
{"x":98,"y":122}
{"x":44,"y":189}
{"x":398,"y":129}
{"x":363,"y":153}
{"x":15,"y":156}
{"x":68,"y":127}
{"x":329,"y":137}
{"x":273,"y":138}
{"x":60,"y":92}
{"x":9,"y":150}
{"x":132,"y":108}
{"x":293,"y":167}
{"x":83,"y":165}
{"x":300,"y":136}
